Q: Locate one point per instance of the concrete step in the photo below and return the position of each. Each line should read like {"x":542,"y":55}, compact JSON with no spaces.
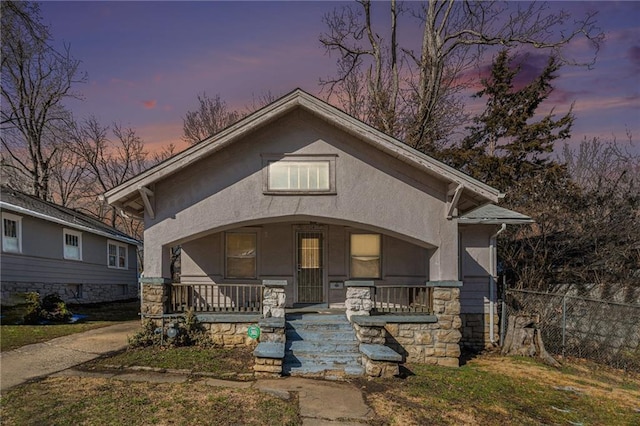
{"x":321,"y":336}
{"x":300,"y":358}
{"x":312,"y":364}
{"x":311,"y":326}
{"x":321,"y":347}
{"x":322,"y":318}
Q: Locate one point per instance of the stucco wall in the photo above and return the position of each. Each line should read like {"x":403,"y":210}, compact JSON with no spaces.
{"x":374,"y":191}
{"x":475,"y":294}
{"x":203,"y":259}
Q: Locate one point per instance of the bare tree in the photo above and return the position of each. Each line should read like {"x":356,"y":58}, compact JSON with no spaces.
{"x":212,"y":115}
{"x":413,"y":93}
{"x":36,"y":80}
{"x":108,"y":162}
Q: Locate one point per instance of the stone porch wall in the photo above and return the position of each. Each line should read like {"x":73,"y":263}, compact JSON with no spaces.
{"x":476,"y":331}
{"x":427,"y":339}
{"x":90,"y":293}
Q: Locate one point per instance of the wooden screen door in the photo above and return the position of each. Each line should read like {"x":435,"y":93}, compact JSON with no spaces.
{"x":310,"y":266}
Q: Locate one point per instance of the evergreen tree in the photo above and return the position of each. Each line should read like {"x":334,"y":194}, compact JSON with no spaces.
{"x":507,"y":145}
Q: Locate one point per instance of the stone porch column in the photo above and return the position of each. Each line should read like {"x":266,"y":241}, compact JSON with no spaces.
{"x":154,"y":297}
{"x":274,"y":298}
{"x":359,"y":300}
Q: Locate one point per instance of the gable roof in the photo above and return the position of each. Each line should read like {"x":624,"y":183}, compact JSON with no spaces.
{"x":19,"y":202}
{"x":127,"y":195}
{"x":489,"y":214}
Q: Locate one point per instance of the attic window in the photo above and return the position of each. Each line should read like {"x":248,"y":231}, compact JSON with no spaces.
{"x":294,"y":174}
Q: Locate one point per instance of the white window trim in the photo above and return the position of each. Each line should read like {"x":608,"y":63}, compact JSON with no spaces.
{"x":381,"y":260}
{"x":126,"y":254}
{"x":66,"y":231}
{"x":257,"y":260}
{"x":267,"y":159}
{"x":18,"y":220}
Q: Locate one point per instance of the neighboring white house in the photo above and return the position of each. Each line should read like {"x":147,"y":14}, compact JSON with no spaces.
{"x":48,"y":248}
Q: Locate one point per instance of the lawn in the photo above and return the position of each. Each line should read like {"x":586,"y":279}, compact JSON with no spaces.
{"x":97,"y":315}
{"x":221,"y":363}
{"x":97,"y":401}
{"x":496,"y":390}
{"x":489,"y":389}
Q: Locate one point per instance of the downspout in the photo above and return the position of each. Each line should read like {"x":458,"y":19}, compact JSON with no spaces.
{"x":493,"y":258}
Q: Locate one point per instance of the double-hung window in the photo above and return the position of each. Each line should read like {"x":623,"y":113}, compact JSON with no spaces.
{"x":72,"y":241}
{"x":240,"y":252}
{"x":299,"y":174}
{"x":365,"y":256}
{"x":11,"y":233}
{"x":116,"y":255}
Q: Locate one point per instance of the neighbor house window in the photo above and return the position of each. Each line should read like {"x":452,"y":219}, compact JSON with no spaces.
{"x":11,"y":233}
{"x":116,"y":255}
{"x":365,"y":256}
{"x":72,"y":244}
{"x":299,"y":174}
{"x":240,"y":248}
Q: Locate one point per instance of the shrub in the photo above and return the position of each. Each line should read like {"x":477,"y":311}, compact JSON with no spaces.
{"x":49,"y":309}
{"x":190,"y":332}
{"x":147,"y":336}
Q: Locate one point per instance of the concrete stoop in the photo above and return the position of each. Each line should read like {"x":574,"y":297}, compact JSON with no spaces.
{"x":321,"y":345}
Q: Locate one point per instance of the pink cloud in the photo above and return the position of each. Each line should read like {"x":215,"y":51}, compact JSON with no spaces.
{"x":151,"y":104}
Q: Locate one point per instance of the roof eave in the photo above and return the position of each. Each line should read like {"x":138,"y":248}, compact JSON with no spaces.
{"x":29,"y":212}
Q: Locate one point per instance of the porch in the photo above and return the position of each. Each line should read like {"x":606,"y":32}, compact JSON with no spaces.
{"x":388,"y":325}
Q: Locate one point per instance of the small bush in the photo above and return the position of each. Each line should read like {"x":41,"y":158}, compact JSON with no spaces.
{"x":190,"y":332}
{"x":35,"y":310}
{"x":147,"y":336}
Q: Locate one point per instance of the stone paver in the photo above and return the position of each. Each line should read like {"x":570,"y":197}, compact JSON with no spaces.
{"x":323,"y":402}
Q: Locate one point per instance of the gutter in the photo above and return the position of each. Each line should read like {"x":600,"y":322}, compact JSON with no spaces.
{"x":493,"y":259}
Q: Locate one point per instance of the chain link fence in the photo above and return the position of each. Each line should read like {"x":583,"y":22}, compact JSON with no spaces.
{"x":573,"y":326}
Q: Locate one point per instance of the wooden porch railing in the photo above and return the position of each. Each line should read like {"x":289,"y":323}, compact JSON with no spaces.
{"x":227,"y":298}
{"x":403,"y":299}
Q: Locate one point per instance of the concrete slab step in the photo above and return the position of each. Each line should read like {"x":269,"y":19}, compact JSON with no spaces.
{"x":304,"y":325}
{"x":321,"y":347}
{"x":322,"y":336}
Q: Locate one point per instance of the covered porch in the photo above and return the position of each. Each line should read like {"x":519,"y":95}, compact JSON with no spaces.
{"x":313,"y":261}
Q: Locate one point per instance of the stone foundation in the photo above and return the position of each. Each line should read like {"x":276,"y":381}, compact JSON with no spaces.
{"x":379,"y":368}
{"x":475,"y":331}
{"x":70,"y":293}
{"x":230,"y":335}
{"x":267,"y":367}
{"x":426,"y":339}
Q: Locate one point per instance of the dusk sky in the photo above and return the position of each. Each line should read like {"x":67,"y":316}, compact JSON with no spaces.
{"x":148,"y":61}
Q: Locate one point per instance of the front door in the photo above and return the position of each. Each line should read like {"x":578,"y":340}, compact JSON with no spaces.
{"x":310,"y":266}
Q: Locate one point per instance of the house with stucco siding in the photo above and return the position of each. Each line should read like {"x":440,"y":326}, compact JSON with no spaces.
{"x":301,"y":208}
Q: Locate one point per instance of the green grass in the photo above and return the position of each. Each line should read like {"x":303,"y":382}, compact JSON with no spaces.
{"x":99,"y":315}
{"x":92,"y":401}
{"x":475,"y":394}
{"x":218,"y":362}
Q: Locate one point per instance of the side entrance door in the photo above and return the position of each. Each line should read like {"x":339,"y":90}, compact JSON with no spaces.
{"x":310,"y":271}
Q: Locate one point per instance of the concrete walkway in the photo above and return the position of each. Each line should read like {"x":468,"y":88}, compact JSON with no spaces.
{"x":42,"y":359}
{"x":321,"y":402}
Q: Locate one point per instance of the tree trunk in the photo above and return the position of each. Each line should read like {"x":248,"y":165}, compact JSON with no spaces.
{"x":524,"y":339}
